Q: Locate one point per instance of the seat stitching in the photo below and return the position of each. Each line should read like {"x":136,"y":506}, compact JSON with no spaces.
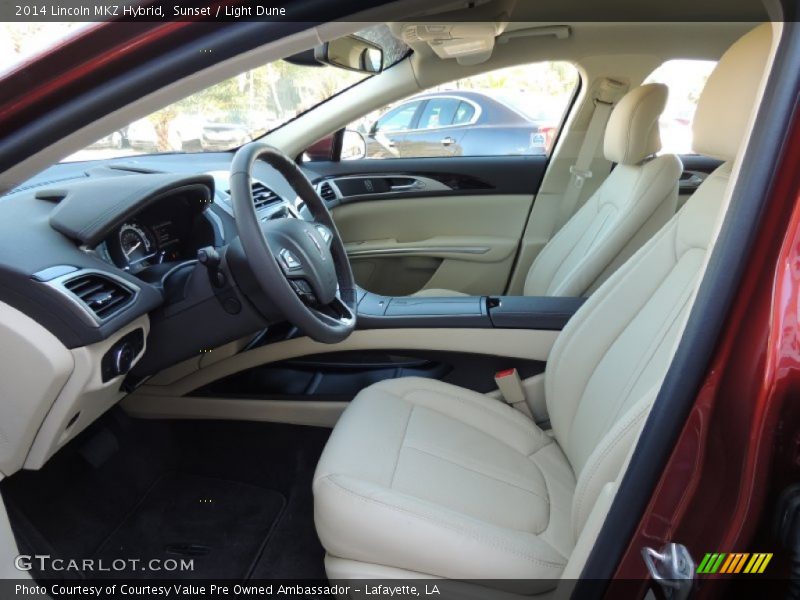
{"x":621,"y":332}
{"x":554,"y":238}
{"x":400,"y":449}
{"x":581,"y":494}
{"x":647,"y":355}
{"x":517,"y":425}
{"x":472,"y":403}
{"x":581,"y":325}
{"x":550,"y":506}
{"x":473,"y":470}
{"x":474,"y":535}
{"x":608,"y":346}
{"x":577,"y":267}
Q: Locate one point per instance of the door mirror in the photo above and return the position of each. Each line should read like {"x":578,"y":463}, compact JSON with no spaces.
{"x":354,"y":145}
{"x":351,"y":53}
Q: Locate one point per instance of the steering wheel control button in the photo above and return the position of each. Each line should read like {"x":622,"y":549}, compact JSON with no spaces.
{"x":325,"y":233}
{"x":289,"y":260}
{"x":303,"y":289}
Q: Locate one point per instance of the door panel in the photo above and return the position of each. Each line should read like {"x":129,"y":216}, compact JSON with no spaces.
{"x":466,"y":243}
{"x":452,"y":223}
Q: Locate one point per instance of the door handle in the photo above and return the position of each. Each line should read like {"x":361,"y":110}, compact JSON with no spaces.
{"x":448,"y":141}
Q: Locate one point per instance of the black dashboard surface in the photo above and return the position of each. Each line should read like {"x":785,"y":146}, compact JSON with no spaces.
{"x":88,"y":211}
{"x":81,"y":219}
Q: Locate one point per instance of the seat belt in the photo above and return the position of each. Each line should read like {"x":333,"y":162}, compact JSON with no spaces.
{"x":606,"y":95}
{"x":512,"y":391}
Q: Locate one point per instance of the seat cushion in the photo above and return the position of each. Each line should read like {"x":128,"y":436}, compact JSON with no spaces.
{"x":429,"y":477}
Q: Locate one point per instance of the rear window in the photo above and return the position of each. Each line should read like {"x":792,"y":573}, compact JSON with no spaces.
{"x":685,"y":80}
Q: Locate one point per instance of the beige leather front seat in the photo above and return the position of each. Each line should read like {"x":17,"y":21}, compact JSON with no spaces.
{"x":422,"y":477}
{"x":638,"y":192}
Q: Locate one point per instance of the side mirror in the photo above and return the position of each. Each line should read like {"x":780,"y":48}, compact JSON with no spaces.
{"x":323,"y":149}
{"x":354,"y":145}
{"x":351,"y":53}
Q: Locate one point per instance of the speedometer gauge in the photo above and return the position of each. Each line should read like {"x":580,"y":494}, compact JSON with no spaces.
{"x":137,"y":245}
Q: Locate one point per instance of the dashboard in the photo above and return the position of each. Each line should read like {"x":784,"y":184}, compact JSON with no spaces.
{"x":103,"y":258}
{"x":131,"y":222}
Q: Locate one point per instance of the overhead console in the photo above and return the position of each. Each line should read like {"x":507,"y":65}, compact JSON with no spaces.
{"x":504,"y":312}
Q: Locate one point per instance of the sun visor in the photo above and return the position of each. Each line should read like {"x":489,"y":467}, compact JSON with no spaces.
{"x":468,"y":43}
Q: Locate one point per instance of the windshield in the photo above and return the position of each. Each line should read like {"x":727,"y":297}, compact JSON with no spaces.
{"x":22,"y":41}
{"x":226,"y":115}
{"x":221,"y":117}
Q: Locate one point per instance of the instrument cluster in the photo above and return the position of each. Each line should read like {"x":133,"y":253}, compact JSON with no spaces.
{"x":164,"y":233}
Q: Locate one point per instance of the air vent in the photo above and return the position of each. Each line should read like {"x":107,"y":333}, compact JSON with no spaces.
{"x":326,"y":192}
{"x":262,"y":195}
{"x":103,"y":296}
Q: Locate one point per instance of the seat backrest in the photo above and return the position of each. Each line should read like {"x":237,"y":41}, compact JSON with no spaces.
{"x":607,"y":365}
{"x":632,"y":193}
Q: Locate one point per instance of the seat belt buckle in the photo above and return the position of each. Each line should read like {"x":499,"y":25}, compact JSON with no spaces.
{"x":580,"y":175}
{"x":510,"y":386}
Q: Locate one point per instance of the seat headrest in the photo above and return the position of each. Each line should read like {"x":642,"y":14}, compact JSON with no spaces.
{"x":632,"y":132}
{"x":725,"y":106}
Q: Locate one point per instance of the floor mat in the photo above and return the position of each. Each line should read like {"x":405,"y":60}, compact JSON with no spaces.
{"x":222,"y":526}
{"x":73,"y":505}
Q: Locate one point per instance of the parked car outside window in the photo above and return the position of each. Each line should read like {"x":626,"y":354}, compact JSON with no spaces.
{"x":511,"y":111}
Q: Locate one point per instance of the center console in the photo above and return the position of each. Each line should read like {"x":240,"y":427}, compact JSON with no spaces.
{"x":482,"y":312}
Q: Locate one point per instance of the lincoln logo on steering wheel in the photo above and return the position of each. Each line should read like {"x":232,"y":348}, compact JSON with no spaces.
{"x":316,"y":243}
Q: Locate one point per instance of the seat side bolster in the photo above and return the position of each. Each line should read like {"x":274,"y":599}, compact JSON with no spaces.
{"x":562,"y":366}
{"x":608,"y":458}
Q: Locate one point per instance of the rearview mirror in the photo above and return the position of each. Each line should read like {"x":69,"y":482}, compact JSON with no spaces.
{"x":351,"y":53}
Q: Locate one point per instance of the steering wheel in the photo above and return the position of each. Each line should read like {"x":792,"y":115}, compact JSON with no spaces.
{"x":301,"y":266}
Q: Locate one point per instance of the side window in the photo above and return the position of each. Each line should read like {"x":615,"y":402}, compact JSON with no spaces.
{"x":464,"y":113}
{"x":511,"y":111}
{"x":398,"y":119}
{"x":685,"y":79}
{"x":438,"y":112}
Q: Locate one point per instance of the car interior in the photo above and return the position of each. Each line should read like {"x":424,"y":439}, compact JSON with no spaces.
{"x":408,"y":367}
